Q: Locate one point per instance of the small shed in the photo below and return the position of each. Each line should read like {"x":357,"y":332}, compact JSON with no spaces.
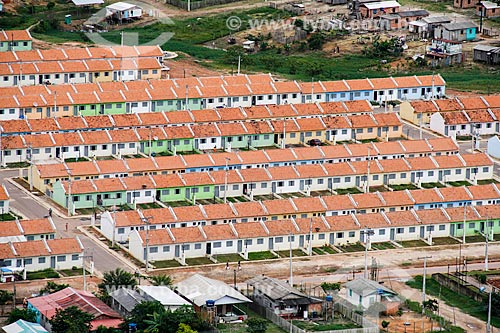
{"x":487,"y":53}
{"x":281,"y":298}
{"x":494,"y":146}
{"x":488,"y":9}
{"x":123,"y":11}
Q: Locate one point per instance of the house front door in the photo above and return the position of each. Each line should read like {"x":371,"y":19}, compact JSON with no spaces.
{"x":271,"y":243}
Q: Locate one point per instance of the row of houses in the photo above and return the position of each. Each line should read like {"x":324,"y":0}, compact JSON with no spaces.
{"x":15,"y":40}
{"x":45,"y":175}
{"x":304,"y":233}
{"x":159,"y":119}
{"x":80,"y":65}
{"x":199,"y":137}
{"x":27,"y":230}
{"x":183,"y":94}
{"x":420,"y":112}
{"x":466,"y":123}
{"x":271,"y":181}
{"x":35,"y":255}
{"x":119,"y":225}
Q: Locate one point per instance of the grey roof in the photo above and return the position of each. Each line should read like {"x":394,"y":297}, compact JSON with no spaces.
{"x":128,"y":298}
{"x":390,"y":17}
{"x":164,"y":295}
{"x":411,"y":13}
{"x":486,"y":48}
{"x":278,"y":290}
{"x":436,"y":19}
{"x":365,"y":287}
{"x":382,"y":4}
{"x":489,"y":4}
{"x":87,"y":2}
{"x":459,"y":25}
{"x":199,"y":289}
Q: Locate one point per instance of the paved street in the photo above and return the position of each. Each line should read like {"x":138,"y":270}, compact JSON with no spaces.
{"x":27,"y":206}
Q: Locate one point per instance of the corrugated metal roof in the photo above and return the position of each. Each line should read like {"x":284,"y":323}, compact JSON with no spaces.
{"x":459,"y":25}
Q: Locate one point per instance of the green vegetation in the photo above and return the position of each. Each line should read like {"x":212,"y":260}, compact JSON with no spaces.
{"x":474,"y":239}
{"x":431,"y":185}
{"x":413,"y":243}
{"x":7,"y":217}
{"x":242,"y":327}
{"x":403,"y":187}
{"x":112,"y":280}
{"x":52,"y":287}
{"x":444,"y":241}
{"x":48,"y":273}
{"x":24,"y":314}
{"x":383,"y":246}
{"x":161,"y":280}
{"x":295,"y":253}
{"x":487,"y":181}
{"x":231,"y":257}
{"x":459,"y":183}
{"x":357,"y":247}
{"x":339,"y":324}
{"x":150,"y":205}
{"x":71,"y":319}
{"x":342,"y":191}
{"x":198,"y":261}
{"x":72,"y":272}
{"x":261,"y":255}
{"x":464,"y":303}
{"x":330,"y":286}
{"x":166,"y":264}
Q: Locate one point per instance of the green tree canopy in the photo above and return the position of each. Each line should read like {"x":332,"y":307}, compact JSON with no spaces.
{"x":71,"y":320}
{"x":256,"y":325}
{"x":52,"y":287}
{"x":161,"y":280}
{"x":24,"y":314}
{"x":142,"y":312}
{"x":113,"y":280}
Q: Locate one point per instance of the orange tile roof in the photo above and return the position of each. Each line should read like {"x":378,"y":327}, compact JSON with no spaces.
{"x":448,"y":161}
{"x":228,"y":114}
{"x":309,"y":204}
{"x":454,"y":194}
{"x":187,"y":235}
{"x":14,"y":126}
{"x":280,"y":228}
{"x":111,"y":166}
{"x":284,"y":87}
{"x":249,"y":209}
{"x":424,"y":106}
{"x":160,"y":236}
{"x":205,"y":115}
{"x":333,"y":107}
{"x":250,"y":230}
{"x":473,"y":103}
{"x":421,"y":163}
{"x":257,"y":112}
{"x":335,"y":86}
{"x":432,"y":216}
{"x":71,"y":123}
{"x":361,"y":84}
{"x":284,"y":110}
{"x":443,"y":144}
{"x":37,"y":226}
{"x":480,"y":116}
{"x":448,"y":104}
{"x":484,"y":191}
{"x":281,"y":206}
{"x":372,"y":221}
{"x":124,"y":135}
{"x":480,"y":159}
{"x":307,"y":109}
{"x":38,"y":140}
{"x":67,"y":139}
{"x":338,"y":202}
{"x":407,"y":81}
{"x":358,"y":106}
{"x":383,"y":83}
{"x":342,"y":223}
{"x":425,"y":196}
{"x":402,"y":218}
{"x":219,"y":211}
{"x":397,"y":198}
{"x":95,"y":137}
{"x":493,"y":101}
{"x":336,"y":122}
{"x":43,"y":125}
{"x":362,"y":121}
{"x":367,"y":200}
{"x":218,"y":232}
{"x":317,"y":225}
{"x":99,"y":122}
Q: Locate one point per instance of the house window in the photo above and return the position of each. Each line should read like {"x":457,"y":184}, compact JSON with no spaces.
{"x":260,"y":241}
{"x":278,"y":240}
{"x":41,"y":260}
{"x":166,"y":248}
{"x":217,"y":244}
{"x":61,"y":258}
{"x":381,"y":232}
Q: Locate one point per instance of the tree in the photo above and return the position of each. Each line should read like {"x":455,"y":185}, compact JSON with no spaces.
{"x":234,"y":53}
{"x":316,"y":41}
{"x":256,"y":325}
{"x":161,"y":280}
{"x":5,"y":296}
{"x":495,"y":304}
{"x":385,"y":324}
{"x":52,"y":287}
{"x":50,"y":5}
{"x":185,"y":328}
{"x":432,"y":306}
{"x":104,"y":329}
{"x":24,"y":314}
{"x":142,"y":312}
{"x":71,"y":320}
{"x":115,"y":279}
{"x":329,"y":287}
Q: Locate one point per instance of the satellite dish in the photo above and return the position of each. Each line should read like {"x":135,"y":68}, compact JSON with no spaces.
{"x":155,"y":138}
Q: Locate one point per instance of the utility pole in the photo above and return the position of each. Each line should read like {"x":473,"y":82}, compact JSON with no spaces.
{"x":84,"y":270}
{"x":368,"y":173}
{"x":488,"y":324}
{"x":70,"y":199}
{"x":291,"y":262}
{"x":148,"y":222}
{"x":225,"y":180}
{"x":31,"y":166}
{"x":367,"y":233}
{"x":423,"y":282}
{"x":309,"y":250}
{"x":114,"y":223}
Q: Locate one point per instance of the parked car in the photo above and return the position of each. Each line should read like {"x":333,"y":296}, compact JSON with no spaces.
{"x":314,"y":142}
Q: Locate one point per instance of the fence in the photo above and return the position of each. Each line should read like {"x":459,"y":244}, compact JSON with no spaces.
{"x":459,"y":286}
{"x":341,"y":306}
{"x":198,"y":4}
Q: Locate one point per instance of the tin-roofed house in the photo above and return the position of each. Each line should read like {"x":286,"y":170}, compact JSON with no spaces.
{"x":457,"y":32}
{"x":281,"y":298}
{"x":365,"y":293}
{"x":212,"y":298}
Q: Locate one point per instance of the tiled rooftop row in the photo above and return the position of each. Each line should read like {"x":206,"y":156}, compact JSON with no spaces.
{"x":244,"y":159}
{"x":456,"y":104}
{"x":433,"y":163}
{"x":154,"y":119}
{"x":38,"y":248}
{"x":296,"y":206}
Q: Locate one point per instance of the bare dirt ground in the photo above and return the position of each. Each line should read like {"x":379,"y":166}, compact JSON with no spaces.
{"x":455,"y":316}
{"x":413,"y":321}
{"x":188,"y":67}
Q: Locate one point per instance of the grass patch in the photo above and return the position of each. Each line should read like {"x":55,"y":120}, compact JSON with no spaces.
{"x":464,"y":303}
{"x":352,"y":248}
{"x":459,"y":183}
{"x":403,"y":187}
{"x":486,"y":182}
{"x":374,"y":189}
{"x":198,"y":261}
{"x":444,"y":241}
{"x":48,"y":273}
{"x":352,"y":190}
{"x":383,"y":246}
{"x":72,"y":272}
{"x":8,"y":217}
{"x":70,"y":160}
{"x":180,"y":203}
{"x":328,"y":249}
{"x":413,"y":243}
{"x":264,"y":255}
{"x":431,"y":185}
{"x":166,"y":264}
{"x":474,"y":239}
{"x":338,"y":324}
{"x":17,"y":165}
{"x":242,"y":327}
{"x":295,"y":253}
{"x":149,"y":205}
{"x":231,"y":257}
